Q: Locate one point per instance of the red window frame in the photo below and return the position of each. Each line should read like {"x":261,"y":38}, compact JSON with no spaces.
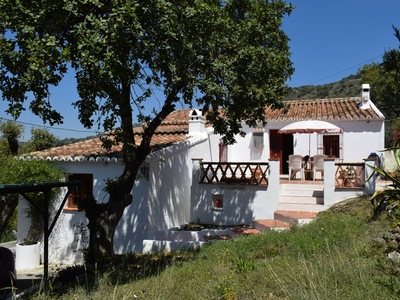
{"x":80,"y":193}
{"x":331,"y":145}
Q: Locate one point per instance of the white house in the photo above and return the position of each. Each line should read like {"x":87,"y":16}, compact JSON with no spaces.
{"x":182,"y":176}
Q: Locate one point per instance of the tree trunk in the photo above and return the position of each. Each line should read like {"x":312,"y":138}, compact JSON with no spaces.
{"x":8,"y":204}
{"x":104,"y":218}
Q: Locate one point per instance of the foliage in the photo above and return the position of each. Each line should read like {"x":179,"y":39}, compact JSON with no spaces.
{"x":331,"y":258}
{"x":11,"y":132}
{"x":41,"y":139}
{"x":385,"y":92}
{"x":13,"y":171}
{"x":388,"y":199}
{"x":230,"y":54}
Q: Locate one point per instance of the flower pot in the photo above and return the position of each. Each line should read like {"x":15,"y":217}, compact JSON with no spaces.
{"x":27,"y":256}
{"x":218,"y":203}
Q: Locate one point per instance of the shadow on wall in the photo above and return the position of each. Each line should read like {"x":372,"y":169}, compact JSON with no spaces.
{"x":133,"y":226}
{"x":236,"y":208}
{"x":159,"y":203}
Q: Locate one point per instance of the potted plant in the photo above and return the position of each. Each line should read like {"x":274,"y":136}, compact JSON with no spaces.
{"x":218,"y":201}
{"x":28,"y":250}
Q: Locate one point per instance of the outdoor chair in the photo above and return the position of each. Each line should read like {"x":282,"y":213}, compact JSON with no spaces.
{"x":318,"y":165}
{"x":295,"y":166}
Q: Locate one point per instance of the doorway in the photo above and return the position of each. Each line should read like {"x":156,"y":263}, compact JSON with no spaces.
{"x":280,"y":147}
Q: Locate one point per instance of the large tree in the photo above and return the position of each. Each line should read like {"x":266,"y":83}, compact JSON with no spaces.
{"x":229,"y":54}
{"x":385,"y":81}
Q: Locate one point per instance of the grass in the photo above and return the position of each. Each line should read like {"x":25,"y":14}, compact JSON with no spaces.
{"x":333,"y":257}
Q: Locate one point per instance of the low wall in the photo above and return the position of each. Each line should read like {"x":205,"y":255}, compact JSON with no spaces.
{"x":333,"y":194}
{"x":240,"y":204}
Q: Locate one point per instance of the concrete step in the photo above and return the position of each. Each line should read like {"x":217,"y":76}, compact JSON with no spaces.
{"x":155,"y":246}
{"x":303,"y":186}
{"x":301,"y":200}
{"x":195,"y":236}
{"x":301,"y":207}
{"x":263,"y":225}
{"x":301,"y":192}
{"x":295,"y":217}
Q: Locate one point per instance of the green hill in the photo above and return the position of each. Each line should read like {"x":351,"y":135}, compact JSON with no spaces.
{"x":346,"y":87}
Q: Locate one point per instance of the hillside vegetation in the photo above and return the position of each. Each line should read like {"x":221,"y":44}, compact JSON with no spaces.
{"x":338,"y":256}
{"x":347,"y":87}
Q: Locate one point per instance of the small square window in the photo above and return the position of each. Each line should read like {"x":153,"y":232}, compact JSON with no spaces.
{"x":80,"y":193}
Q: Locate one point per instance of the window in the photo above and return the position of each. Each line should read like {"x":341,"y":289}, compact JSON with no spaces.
{"x":331,"y":145}
{"x":82,"y":192}
{"x":258,"y":140}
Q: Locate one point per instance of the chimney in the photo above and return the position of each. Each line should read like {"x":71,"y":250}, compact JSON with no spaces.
{"x":365,"y":97}
{"x":196,"y":122}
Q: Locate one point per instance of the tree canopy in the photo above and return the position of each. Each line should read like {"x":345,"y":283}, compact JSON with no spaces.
{"x":41,"y":139}
{"x":230,"y":54}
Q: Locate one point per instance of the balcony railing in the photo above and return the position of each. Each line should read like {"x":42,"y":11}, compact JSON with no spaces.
{"x":350,"y":175}
{"x":238,"y":173}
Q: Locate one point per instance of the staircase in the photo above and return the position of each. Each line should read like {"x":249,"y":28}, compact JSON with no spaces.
{"x":298,"y":204}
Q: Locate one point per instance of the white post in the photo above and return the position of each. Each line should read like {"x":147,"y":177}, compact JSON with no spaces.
{"x":194,"y":191}
{"x":370,"y":177}
{"x":329,"y":181}
{"x":274,"y":182}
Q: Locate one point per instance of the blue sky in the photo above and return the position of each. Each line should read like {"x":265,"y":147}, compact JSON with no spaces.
{"x":329,"y":40}
{"x":333,"y":39}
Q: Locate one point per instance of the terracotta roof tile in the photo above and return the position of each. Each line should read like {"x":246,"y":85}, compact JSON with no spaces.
{"x":322,"y":109}
{"x":173,"y":129}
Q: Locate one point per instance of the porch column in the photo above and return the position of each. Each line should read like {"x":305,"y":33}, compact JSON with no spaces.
{"x":370,"y":177}
{"x":329,"y":181}
{"x":273,"y":179}
{"x":194,"y":190}
{"x":273,"y":186}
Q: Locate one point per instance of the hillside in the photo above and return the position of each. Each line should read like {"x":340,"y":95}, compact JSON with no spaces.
{"x":341,"y":255}
{"x":347,"y":87}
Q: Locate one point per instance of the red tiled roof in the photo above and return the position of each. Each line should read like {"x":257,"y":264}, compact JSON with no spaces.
{"x":175,"y":127}
{"x":322,"y":109}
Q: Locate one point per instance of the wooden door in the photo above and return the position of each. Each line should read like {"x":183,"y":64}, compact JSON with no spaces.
{"x":280,"y":147}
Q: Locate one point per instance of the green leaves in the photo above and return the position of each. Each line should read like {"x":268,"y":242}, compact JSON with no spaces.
{"x":232,"y":55}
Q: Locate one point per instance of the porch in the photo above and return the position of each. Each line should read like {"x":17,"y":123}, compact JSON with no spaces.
{"x":247,"y":193}
{"x":253,"y":196}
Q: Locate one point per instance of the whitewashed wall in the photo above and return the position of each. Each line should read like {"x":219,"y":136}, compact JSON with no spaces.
{"x":241,"y":204}
{"x":160,"y":201}
{"x":71,"y":235}
{"x":361,"y":138}
{"x":169,"y":186}
{"x":244,"y":151}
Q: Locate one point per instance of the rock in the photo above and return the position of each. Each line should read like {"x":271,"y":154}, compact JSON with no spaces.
{"x":378,"y":242}
{"x":393,"y":244}
{"x":388,"y":236}
{"x":394,"y":256}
